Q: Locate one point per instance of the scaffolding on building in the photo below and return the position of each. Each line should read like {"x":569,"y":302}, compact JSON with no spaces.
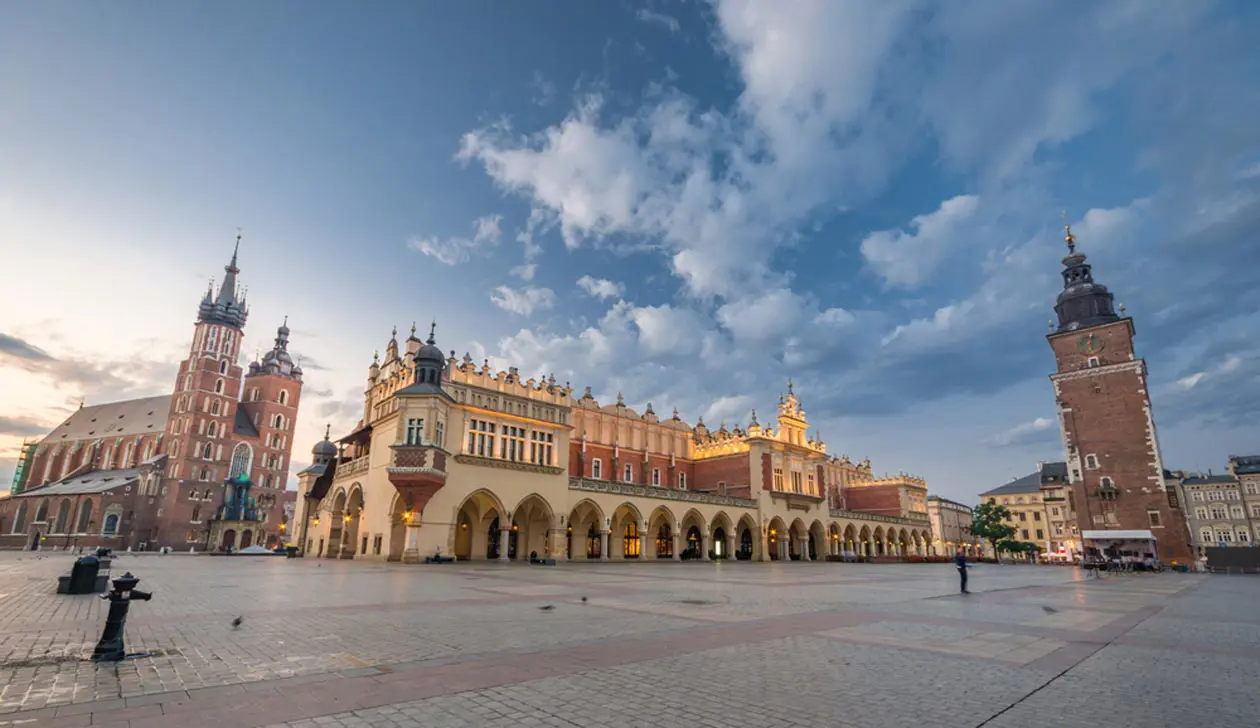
{"x":25,"y":458}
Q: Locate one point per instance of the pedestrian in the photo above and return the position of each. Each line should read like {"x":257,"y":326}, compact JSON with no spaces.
{"x":960,"y":561}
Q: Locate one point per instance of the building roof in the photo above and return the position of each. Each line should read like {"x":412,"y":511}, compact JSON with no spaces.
{"x":243,"y":425}
{"x":96,"y":481}
{"x":115,"y":419}
{"x":1245,"y":464}
{"x":1117,"y":535}
{"x":1026,"y":484}
{"x":1224,"y":479}
{"x":947,"y":500}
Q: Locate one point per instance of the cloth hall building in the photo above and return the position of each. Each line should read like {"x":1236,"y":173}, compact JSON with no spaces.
{"x":454,"y":459}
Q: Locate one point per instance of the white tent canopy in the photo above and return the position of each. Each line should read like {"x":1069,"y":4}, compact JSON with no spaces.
{"x":1117,"y":536}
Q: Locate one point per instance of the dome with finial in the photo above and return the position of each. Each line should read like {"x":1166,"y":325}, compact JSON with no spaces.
{"x":324,"y":450}
{"x":1083,"y":302}
{"x":430,"y":351}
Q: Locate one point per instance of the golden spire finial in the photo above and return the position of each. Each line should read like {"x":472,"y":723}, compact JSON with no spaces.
{"x":1068,"y":237}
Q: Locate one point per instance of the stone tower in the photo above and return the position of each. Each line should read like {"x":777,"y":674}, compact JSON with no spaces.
{"x":273,"y":388}
{"x":1109,"y":439}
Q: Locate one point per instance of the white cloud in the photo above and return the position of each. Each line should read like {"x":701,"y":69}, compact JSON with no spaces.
{"x":525,"y":271}
{"x":908,"y":259}
{"x":452,"y":251}
{"x":523,"y":301}
{"x":600,"y":287}
{"x":1042,"y":430}
{"x":759,"y":318}
{"x":732,"y":409}
{"x":834,"y":317}
{"x":667,"y":22}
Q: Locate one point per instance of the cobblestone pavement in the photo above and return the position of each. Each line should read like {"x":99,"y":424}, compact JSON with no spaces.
{"x":327,"y":644}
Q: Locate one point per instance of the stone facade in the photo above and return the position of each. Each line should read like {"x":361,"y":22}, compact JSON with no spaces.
{"x":176,"y":451}
{"x":1246,"y":468}
{"x":1110,"y":442}
{"x":951,"y":527}
{"x":1215,"y":510}
{"x":452,"y":458}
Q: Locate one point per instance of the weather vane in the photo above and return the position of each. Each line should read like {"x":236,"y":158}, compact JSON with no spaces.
{"x":1068,"y":236}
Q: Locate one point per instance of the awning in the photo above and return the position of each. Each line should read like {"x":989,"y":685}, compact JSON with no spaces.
{"x":1117,"y":536}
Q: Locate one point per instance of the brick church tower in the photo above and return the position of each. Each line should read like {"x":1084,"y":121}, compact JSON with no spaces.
{"x":225,"y":423}
{"x":1109,"y":438}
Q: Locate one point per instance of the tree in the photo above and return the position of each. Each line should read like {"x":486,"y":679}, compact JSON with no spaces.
{"x":989,"y":522}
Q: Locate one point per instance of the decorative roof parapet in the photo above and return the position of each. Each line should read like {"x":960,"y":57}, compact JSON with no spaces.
{"x":899,"y":479}
{"x":648,"y":491}
{"x":863,"y":516}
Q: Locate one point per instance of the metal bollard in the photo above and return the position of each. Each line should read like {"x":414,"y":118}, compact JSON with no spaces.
{"x":110,"y":648}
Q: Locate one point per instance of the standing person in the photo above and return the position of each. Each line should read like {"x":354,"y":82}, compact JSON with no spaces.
{"x":960,"y":561}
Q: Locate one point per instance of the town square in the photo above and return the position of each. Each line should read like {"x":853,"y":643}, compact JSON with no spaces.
{"x":727,"y":643}
{"x":650,"y":363}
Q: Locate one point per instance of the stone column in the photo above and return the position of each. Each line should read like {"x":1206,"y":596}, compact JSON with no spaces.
{"x":556,"y":547}
{"x":643,"y":542}
{"x":505,"y":539}
{"x":603,"y":545}
{"x":705,"y":540}
{"x":411,"y":552}
{"x":677,"y":553}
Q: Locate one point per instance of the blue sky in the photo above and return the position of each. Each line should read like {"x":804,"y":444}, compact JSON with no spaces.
{"x":686,"y":202}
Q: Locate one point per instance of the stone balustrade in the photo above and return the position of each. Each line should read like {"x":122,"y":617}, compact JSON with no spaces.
{"x":649,"y":491}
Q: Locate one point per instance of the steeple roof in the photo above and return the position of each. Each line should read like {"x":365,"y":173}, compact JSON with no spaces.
{"x":228,"y":307}
{"x":1083,"y":302}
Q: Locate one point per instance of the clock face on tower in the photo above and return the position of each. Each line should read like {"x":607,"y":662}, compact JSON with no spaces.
{"x":1090,"y":344}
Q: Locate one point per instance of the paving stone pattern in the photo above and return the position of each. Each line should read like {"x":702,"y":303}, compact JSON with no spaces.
{"x":327,"y":644}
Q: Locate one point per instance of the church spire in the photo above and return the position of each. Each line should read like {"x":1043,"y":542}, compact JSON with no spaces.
{"x":228,"y":307}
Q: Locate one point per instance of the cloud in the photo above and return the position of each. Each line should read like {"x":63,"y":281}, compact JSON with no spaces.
{"x":733,"y":409}
{"x":667,"y":22}
{"x":17,"y":348}
{"x":22,"y":426}
{"x":523,"y":301}
{"x":600,"y":287}
{"x":907,"y":259}
{"x":544,"y":90}
{"x":1038,"y":432}
{"x":453,"y":251}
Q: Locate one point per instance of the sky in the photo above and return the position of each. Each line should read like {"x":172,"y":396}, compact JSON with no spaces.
{"x":689,"y":203}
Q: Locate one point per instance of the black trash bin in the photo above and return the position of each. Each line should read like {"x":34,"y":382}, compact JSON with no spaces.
{"x":83,"y":575}
{"x":290,"y":552}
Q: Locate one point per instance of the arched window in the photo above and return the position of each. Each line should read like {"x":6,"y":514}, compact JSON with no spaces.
{"x":284,"y":396}
{"x":212,"y":430}
{"x":109,"y":527}
{"x":187,"y":386}
{"x":218,"y":384}
{"x":41,"y":513}
{"x":242,"y":457}
{"x":148,"y":450}
{"x":196,"y":514}
{"x":126,"y":461}
{"x":63,"y":517}
{"x":223,"y":367}
{"x":85,"y":517}
{"x":19,"y":521}
{"x":214,"y":407}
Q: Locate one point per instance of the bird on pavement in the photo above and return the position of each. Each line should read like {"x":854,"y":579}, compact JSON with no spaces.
{"x":584,"y":600}
{"x":236,"y":623}
{"x":1049,"y":610}
{"x":547,"y":607}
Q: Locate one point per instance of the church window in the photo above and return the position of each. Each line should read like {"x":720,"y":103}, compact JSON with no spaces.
{"x":204,"y":475}
{"x":656,"y":477}
{"x":148,"y":450}
{"x":682,"y":481}
{"x":214,"y":407}
{"x":284,"y":396}
{"x":109,"y":526}
{"x":212,"y":429}
{"x":242,"y":457}
{"x":778,"y":479}
{"x":597,"y":469}
{"x":415,"y":431}
{"x":223,"y":367}
{"x":218,"y":385}
{"x":126,"y":461}
{"x":1091,"y":461}
{"x":627,"y":473}
{"x":41,"y":513}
